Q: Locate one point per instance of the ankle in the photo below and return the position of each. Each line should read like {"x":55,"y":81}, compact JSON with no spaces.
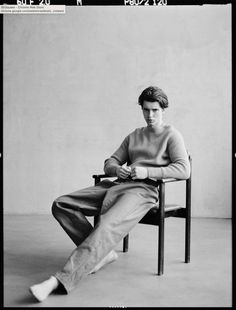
{"x":54,"y":282}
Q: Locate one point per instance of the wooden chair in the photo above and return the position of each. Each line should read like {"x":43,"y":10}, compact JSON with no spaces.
{"x":156,"y":216}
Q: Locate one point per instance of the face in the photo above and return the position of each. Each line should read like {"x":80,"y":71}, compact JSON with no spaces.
{"x":153,"y":113}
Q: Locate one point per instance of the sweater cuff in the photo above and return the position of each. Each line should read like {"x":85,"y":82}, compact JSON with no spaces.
{"x":155,"y":173}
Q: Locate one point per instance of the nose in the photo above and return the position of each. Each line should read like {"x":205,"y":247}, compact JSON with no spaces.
{"x":150,"y":113}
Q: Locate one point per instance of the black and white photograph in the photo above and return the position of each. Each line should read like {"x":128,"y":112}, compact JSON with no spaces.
{"x":117,"y":155}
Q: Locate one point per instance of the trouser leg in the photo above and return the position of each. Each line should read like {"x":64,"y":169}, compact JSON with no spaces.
{"x":71,"y":210}
{"x":123,"y":207}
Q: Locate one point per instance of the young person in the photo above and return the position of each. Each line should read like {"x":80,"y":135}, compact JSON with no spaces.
{"x":149,"y":153}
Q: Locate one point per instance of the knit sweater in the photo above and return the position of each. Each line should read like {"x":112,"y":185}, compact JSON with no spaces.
{"x":161,"y":150}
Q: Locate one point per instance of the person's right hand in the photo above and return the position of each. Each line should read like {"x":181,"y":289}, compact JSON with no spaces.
{"x":123,"y":172}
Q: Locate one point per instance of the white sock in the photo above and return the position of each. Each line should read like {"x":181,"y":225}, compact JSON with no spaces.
{"x":42,"y":290}
{"x":111,"y":257}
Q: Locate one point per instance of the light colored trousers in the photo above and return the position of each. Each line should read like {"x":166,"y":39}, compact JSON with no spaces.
{"x":120,"y":205}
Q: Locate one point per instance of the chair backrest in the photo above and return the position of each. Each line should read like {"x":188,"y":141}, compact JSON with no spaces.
{"x":190,"y":161}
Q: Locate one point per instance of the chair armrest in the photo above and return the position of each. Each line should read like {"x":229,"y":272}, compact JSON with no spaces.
{"x":101,"y":176}
{"x":170,"y":180}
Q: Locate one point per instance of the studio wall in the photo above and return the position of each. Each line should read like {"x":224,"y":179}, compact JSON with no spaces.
{"x":71,"y":84}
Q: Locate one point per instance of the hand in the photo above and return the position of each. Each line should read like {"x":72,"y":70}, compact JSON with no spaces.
{"x":123,"y":172}
{"x":139,"y":173}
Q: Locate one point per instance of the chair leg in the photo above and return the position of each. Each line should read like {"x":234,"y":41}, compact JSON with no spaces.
{"x":161,"y":250}
{"x":188,"y":221}
{"x":126,"y":243}
{"x":187,"y":239}
{"x":161,"y":229}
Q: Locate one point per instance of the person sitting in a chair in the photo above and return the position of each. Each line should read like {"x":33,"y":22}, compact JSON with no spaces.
{"x":147,"y":154}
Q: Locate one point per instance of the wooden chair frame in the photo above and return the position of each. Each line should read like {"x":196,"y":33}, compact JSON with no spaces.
{"x":156,"y":216}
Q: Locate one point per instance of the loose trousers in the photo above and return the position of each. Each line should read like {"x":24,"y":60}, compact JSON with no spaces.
{"x":120,"y":206}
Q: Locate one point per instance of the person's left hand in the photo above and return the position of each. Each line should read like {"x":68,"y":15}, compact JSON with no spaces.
{"x":139,"y":173}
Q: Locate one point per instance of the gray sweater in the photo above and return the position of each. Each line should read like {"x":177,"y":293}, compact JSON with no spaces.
{"x":161,"y":150}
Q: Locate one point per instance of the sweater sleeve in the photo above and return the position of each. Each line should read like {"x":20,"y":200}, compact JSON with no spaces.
{"x":117,"y":159}
{"x":179,"y":166}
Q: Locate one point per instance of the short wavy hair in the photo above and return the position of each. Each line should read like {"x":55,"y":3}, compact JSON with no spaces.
{"x":152,"y":94}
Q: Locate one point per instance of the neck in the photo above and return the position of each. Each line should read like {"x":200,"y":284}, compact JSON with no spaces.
{"x":157,"y":128}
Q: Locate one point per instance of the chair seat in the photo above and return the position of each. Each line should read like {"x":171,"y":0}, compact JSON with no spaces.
{"x":168,"y":207}
{"x":172,"y":207}
{"x":152,"y":216}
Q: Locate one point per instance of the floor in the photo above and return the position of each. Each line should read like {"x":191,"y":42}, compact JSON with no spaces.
{"x":35,"y":247}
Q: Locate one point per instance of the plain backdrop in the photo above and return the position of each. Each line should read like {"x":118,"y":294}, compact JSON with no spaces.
{"x":71,"y":84}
